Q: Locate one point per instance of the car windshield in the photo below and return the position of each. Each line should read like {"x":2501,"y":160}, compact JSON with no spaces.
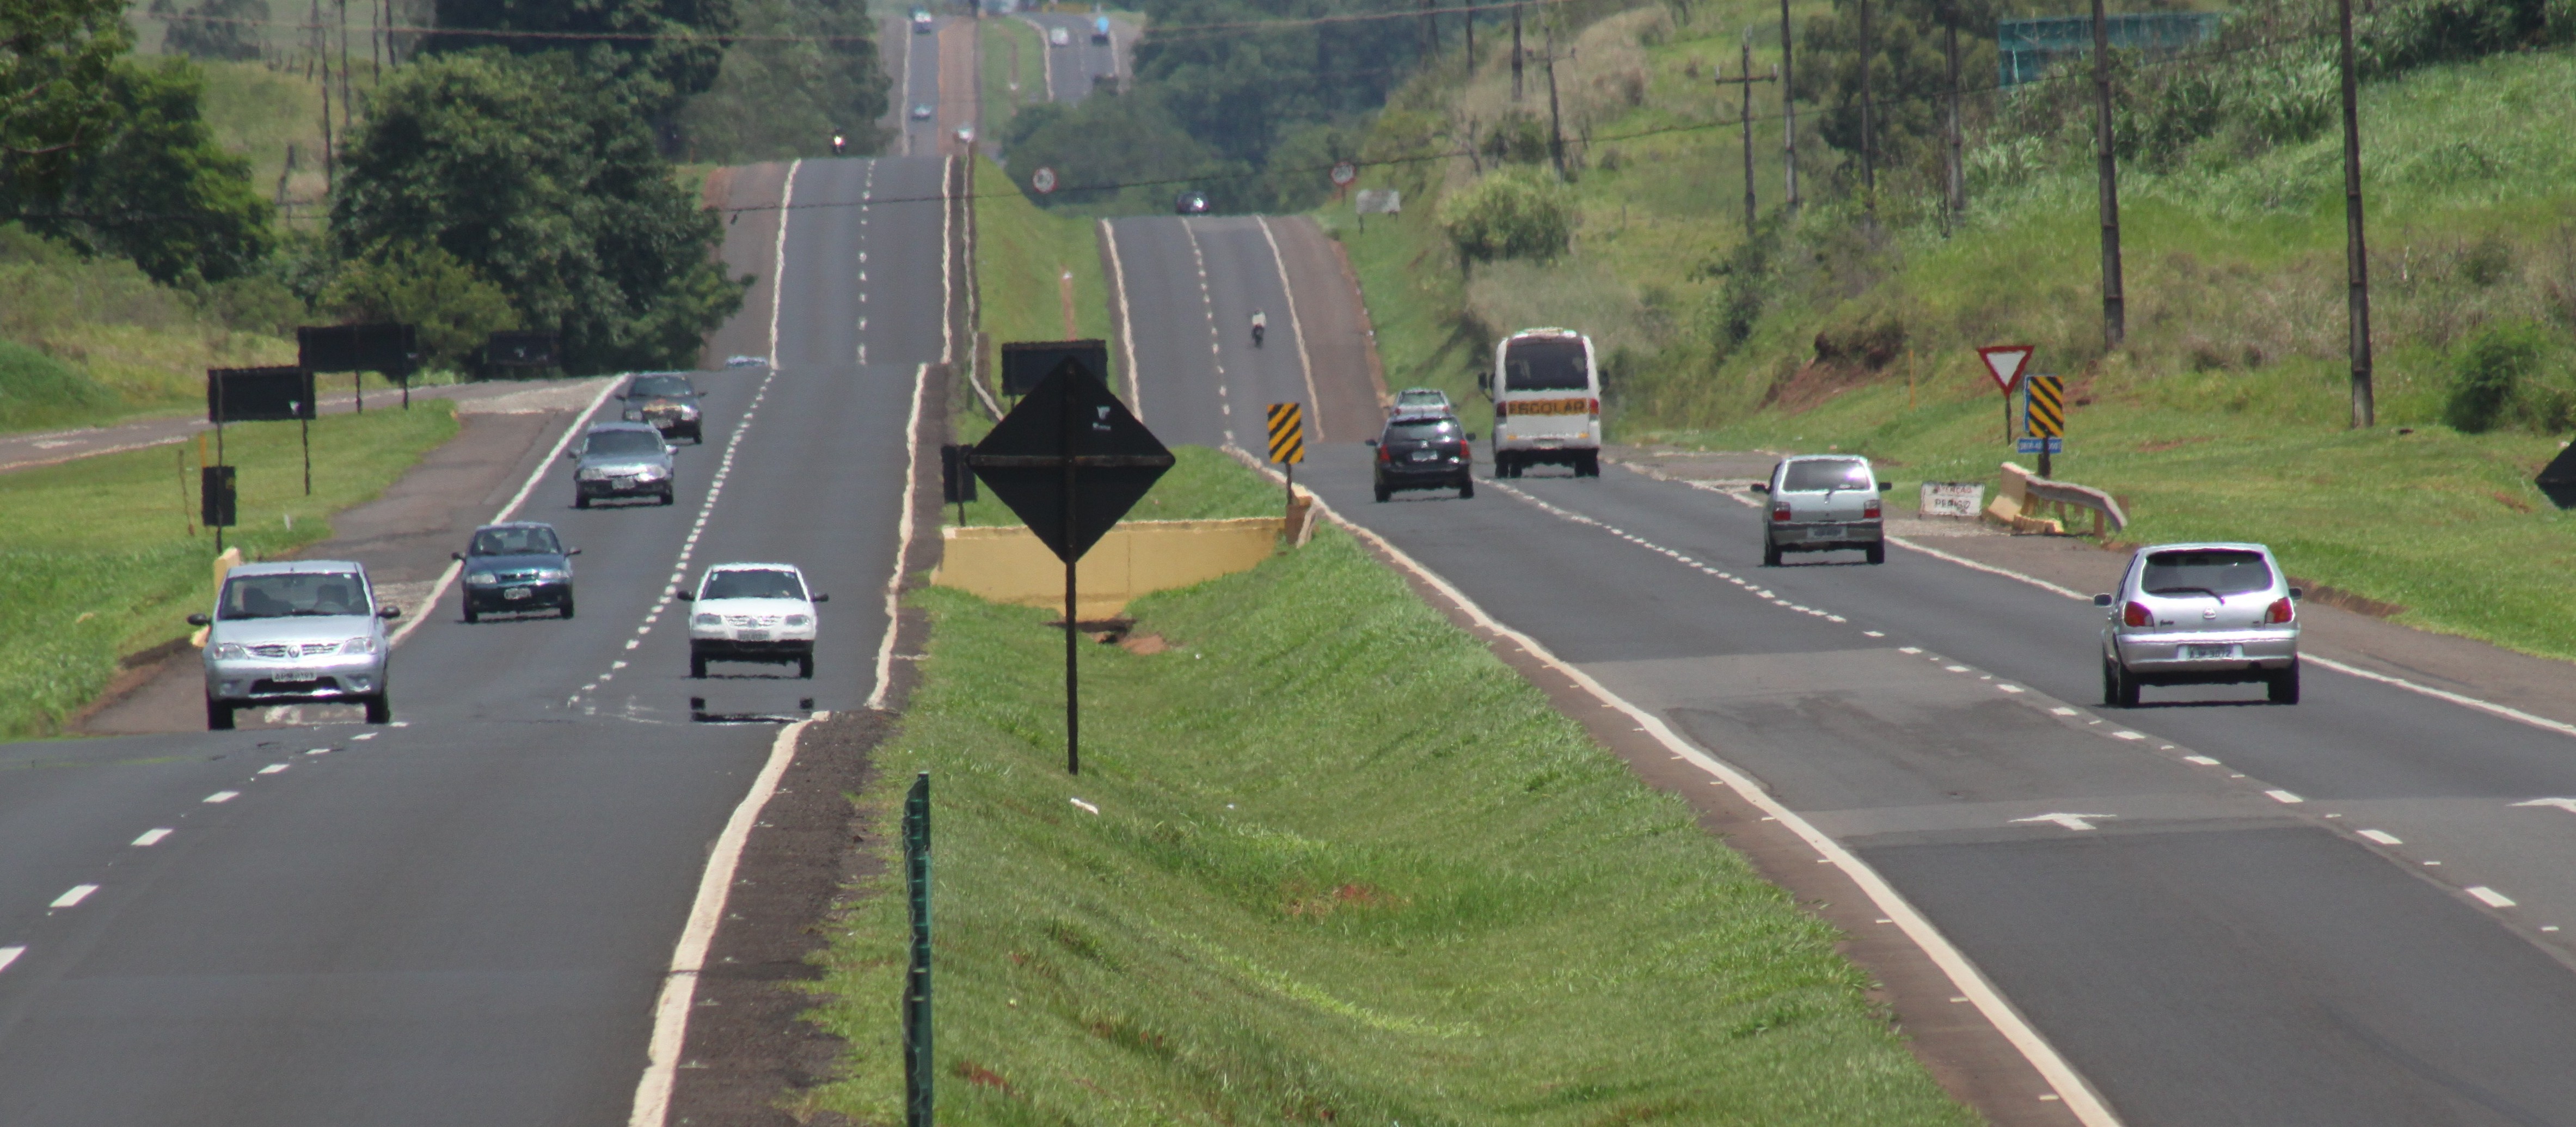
{"x":516,"y":542}
{"x":1419,"y":397}
{"x":622,"y":442}
{"x":1545,"y":364}
{"x":1425,"y":429}
{"x":1818,"y":475}
{"x":292,"y":595}
{"x":645,"y":386}
{"x":756,"y":584}
{"x":2205,"y":571}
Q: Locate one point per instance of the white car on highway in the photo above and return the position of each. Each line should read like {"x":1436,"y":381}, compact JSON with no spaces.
{"x":2200,"y":614}
{"x":761,"y":612}
{"x":1059,"y":37}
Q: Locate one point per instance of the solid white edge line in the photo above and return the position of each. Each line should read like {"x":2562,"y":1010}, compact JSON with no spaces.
{"x":10,"y":955}
{"x":2071,"y":1088}
{"x":1296,"y":328}
{"x":671,"y":1011}
{"x":778,"y":258}
{"x":1126,"y":324}
{"x":903,"y":540}
{"x":947,"y":247}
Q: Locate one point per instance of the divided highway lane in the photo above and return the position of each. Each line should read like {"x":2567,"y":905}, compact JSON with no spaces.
{"x":467,"y":918}
{"x":1075,"y":69}
{"x":2182,"y":898}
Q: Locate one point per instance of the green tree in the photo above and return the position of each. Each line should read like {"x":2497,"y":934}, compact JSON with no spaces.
{"x":212,"y":29}
{"x":666,"y":50}
{"x":452,"y":308}
{"x":54,"y":59}
{"x":776,"y":98}
{"x":542,"y":179}
{"x":1111,"y":139}
{"x":1516,"y":212}
{"x":1909,"y":74}
{"x":154,"y":185}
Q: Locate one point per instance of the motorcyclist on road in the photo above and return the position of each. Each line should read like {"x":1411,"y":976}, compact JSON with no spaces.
{"x":839,"y":144}
{"x":1260,"y":324}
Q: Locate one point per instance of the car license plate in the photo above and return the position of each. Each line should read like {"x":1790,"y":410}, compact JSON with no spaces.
{"x":623,"y":483}
{"x":2212,"y":653}
{"x":515,"y":593}
{"x":1422,"y":455}
{"x":1825,"y":532}
{"x":753,"y":636}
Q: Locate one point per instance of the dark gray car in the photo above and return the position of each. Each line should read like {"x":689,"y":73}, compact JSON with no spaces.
{"x":669,"y":401}
{"x":514,"y":568}
{"x":621,"y":460}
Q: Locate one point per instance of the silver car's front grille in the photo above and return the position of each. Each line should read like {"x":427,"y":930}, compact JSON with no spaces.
{"x":291,"y":649}
{"x":751,"y":620}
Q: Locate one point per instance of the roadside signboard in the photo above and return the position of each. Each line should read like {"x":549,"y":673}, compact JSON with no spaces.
{"x":2042,"y":446}
{"x":1287,"y":433}
{"x":1379,"y":201}
{"x":1042,"y":181}
{"x":1953,"y":498}
{"x":254,"y":395}
{"x":1344,"y":172}
{"x":1025,"y":363}
{"x":2045,"y":413}
{"x":2004,"y":362}
{"x":2557,"y":480}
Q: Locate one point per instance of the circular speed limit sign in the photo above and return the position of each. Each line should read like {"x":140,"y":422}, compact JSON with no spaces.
{"x":1344,"y":173}
{"x":1043,"y":180}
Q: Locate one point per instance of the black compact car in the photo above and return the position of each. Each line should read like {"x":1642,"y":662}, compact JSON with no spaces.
{"x":1190,"y":203}
{"x":1424,"y":452}
{"x":667,"y":400}
{"x":514,"y":568}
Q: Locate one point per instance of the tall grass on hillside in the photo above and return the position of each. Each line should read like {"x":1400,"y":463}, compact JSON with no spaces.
{"x":148,"y":344}
{"x":1346,"y":868}
{"x":100,"y":564}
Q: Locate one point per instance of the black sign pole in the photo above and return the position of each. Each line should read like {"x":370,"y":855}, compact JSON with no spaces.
{"x":219,"y":455}
{"x":304,"y":430}
{"x":1065,"y":415}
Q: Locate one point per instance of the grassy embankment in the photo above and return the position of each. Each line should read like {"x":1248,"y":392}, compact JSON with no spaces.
{"x":1014,"y":70}
{"x":1021,"y":257}
{"x":2225,"y":414}
{"x":100,"y":562}
{"x":1347,"y":868}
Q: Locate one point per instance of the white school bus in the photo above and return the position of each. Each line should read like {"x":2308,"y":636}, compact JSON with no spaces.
{"x":1547,"y":402}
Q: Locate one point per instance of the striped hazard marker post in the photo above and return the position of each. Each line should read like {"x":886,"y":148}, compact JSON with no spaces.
{"x":1288,"y":441}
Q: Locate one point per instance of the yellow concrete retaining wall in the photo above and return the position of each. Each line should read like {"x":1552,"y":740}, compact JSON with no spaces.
{"x":1009,"y":565}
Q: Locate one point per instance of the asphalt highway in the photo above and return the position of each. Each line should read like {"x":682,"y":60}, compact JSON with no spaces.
{"x":1075,"y":69}
{"x":467,"y":917}
{"x":2219,"y":911}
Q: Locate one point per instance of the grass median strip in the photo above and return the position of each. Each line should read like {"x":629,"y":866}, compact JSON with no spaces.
{"x":99,"y":562}
{"x":1346,"y":867}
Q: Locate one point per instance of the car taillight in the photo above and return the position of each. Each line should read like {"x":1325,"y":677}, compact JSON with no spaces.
{"x":1384,"y":454}
{"x":1594,"y":407}
{"x":1780,"y":512}
{"x":2279,"y":612}
{"x":1502,"y":409}
{"x":1869,"y":510}
{"x":2135,"y":614}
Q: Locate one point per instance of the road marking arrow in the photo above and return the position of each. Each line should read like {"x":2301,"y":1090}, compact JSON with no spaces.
{"x":2070,"y":821}
{"x":2566,"y":804}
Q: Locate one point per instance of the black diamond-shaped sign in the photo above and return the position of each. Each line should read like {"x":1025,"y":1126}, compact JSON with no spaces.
{"x":1070,"y":433}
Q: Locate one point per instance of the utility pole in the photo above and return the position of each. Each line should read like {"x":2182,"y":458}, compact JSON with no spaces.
{"x":2356,"y":254}
{"x":1956,"y":170}
{"x":1868,"y":126}
{"x":1516,"y":53}
{"x":1555,"y":119}
{"x":1745,"y":117}
{"x":1471,"y":43}
{"x":1429,"y":33}
{"x":2115,"y":318}
{"x":322,"y":56}
{"x":1789,"y":105}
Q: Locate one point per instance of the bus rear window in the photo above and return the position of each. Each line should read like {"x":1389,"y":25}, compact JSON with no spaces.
{"x":1541,"y":364}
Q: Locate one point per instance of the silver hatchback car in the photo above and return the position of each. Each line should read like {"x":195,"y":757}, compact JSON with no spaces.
{"x":1821,"y":503}
{"x":2200,"y":614}
{"x":297,"y":632}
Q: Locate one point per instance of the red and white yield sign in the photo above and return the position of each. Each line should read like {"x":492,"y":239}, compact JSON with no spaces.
{"x":2004,"y":362}
{"x":1344,"y":172}
{"x":1043,"y":180}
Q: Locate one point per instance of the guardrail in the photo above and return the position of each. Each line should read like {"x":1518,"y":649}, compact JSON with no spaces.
{"x":2023,"y":493}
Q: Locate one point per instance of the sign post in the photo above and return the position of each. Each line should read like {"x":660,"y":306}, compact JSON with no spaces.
{"x":243,"y":395}
{"x":917,"y":1070}
{"x":2004,"y":362}
{"x":2044,"y":417}
{"x":1070,"y":460}
{"x":1288,"y":441}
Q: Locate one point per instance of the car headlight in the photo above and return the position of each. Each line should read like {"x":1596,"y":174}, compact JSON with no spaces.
{"x":231,"y":651}
{"x":591,"y":474}
{"x":362,"y":644}
{"x":481,"y":579}
{"x":687,"y":412}
{"x":551,"y":575}
{"x":707,"y":620}
{"x":800,"y":620}
{"x":648,"y":473}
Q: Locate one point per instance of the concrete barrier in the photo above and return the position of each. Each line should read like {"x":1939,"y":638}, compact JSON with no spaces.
{"x":1010,"y":565}
{"x":2023,"y":492}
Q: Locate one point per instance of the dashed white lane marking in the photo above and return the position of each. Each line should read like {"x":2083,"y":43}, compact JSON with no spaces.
{"x":2062,"y":710}
{"x":10,"y":955}
{"x":78,"y":893}
{"x":152,"y":837}
{"x":2383,"y":837}
{"x":2125,"y":734}
{"x":364,"y":736}
{"x":274,"y":768}
{"x":2493,"y":898}
{"x":1909,"y":649}
{"x":2203,"y":760}
{"x":2283,"y":797}
{"x":222,"y":796}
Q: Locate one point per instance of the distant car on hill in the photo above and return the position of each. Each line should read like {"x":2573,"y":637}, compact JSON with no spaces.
{"x":1190,"y":203}
{"x":1059,"y":37}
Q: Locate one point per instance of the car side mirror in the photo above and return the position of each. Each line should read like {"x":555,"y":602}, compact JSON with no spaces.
{"x":572,"y":551}
{"x":1370,"y":441}
{"x":822,"y":598}
{"x":2101,"y":600}
{"x":200,"y":620}
{"x":571,"y":453}
{"x":1884,"y":486}
{"x":456,"y":555}
{"x":389,"y":612}
{"x":1762,"y":487}
{"x":685,"y":596}
{"x":2296,"y":594}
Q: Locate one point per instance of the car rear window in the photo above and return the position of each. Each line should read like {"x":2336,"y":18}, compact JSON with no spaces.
{"x":1816,"y":475}
{"x":2205,"y":571}
{"x":1422,"y":430}
{"x":1544,"y":364}
{"x":753,"y":585}
{"x":623,"y":442}
{"x":292,"y":595}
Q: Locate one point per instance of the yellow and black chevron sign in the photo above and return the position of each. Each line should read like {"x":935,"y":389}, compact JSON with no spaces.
{"x":2047,"y":406}
{"x":1287,"y":433}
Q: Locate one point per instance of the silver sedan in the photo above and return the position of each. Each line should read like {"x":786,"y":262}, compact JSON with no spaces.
{"x":2200,"y":614}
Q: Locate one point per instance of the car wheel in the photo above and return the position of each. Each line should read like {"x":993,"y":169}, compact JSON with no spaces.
{"x":1466,"y":488}
{"x":1770,"y":554}
{"x":1383,"y":493}
{"x":805,"y":667}
{"x":380,"y":709}
{"x":2110,"y":684}
{"x":2284,"y":685}
{"x":581,"y":500}
{"x":666,"y":496}
{"x":1877,"y":553}
{"x":2128,"y":686}
{"x":471,"y":615}
{"x":1588,"y":466}
{"x":567,"y":606}
{"x":697,"y":667}
{"x":219,"y":716}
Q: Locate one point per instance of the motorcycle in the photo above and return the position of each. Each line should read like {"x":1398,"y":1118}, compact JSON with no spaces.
{"x":840,"y":144}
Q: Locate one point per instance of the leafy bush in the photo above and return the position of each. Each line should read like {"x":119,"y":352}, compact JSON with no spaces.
{"x":1512,"y":213}
{"x":156,"y":187}
{"x":425,"y":286}
{"x":2487,"y":371}
{"x":37,"y":390}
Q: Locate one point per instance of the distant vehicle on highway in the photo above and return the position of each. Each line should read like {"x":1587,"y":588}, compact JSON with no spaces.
{"x":1190,"y":203}
{"x":921,"y":21}
{"x":746,"y":361}
{"x":759,"y":612}
{"x":1100,"y":29}
{"x":1547,"y":402}
{"x":922,"y":111}
{"x":669,"y":401}
{"x":2200,"y":614}
{"x":1823,"y":503}
{"x":1423,"y":450}
{"x":296,"y":632}
{"x":1422,"y":400}
{"x":620,"y":460}
{"x":965,"y":134}
{"x":515,"y":568}
{"x":1059,"y":37}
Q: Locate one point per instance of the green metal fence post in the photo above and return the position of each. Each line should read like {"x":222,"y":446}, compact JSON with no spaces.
{"x":917,"y":1068}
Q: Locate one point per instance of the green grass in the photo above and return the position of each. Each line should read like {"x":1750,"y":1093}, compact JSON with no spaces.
{"x":1021,"y":256}
{"x":147,"y":344}
{"x":1348,"y":867}
{"x":99,"y":562}
{"x":1014,"y":52}
{"x":1202,"y":484}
